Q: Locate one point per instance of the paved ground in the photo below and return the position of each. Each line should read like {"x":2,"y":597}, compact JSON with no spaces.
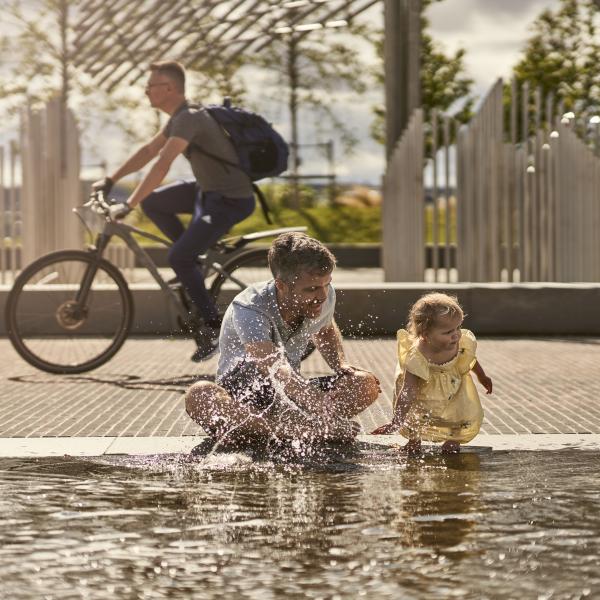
{"x":541,"y":386}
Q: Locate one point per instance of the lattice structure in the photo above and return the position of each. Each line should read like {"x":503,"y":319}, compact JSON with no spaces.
{"x":117,"y":39}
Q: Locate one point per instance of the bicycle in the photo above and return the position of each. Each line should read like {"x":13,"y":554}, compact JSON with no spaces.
{"x":71,"y":311}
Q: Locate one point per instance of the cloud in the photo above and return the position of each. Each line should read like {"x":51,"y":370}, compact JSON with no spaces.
{"x":464,"y":15}
{"x":493,"y":33}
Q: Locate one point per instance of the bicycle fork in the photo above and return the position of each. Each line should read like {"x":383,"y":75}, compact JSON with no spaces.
{"x":102,"y":242}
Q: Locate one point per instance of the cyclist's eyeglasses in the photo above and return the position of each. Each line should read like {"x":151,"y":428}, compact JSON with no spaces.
{"x":151,"y":85}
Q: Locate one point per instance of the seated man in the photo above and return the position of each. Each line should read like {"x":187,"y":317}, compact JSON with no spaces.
{"x":260,"y":394}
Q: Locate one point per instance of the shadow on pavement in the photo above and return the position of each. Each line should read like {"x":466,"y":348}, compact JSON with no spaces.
{"x":129,"y":382}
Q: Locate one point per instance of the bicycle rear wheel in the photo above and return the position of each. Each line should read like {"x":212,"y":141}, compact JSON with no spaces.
{"x":247,"y":268}
{"x":57,"y":327}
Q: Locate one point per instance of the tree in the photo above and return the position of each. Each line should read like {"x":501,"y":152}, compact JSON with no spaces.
{"x":561,"y":56}
{"x":312,"y":68}
{"x":444,"y":83}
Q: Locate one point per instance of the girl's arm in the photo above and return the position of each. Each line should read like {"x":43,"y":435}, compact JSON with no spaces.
{"x":404,"y":399}
{"x":484,"y":380}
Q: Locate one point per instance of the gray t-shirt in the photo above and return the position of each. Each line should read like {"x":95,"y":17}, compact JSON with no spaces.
{"x":196,"y":126}
{"x":254,"y":316}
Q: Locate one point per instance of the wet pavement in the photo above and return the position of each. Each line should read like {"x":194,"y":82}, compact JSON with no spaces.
{"x":541,"y":386}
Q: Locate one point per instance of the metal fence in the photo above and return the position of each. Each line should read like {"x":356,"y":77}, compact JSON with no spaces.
{"x":10,"y":214}
{"x":39,"y":186}
{"x":402,"y":254}
{"x":515,"y":193}
{"x":50,"y":180}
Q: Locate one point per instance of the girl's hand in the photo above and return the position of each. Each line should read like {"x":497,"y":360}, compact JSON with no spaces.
{"x":486,"y":382}
{"x":386,"y":429}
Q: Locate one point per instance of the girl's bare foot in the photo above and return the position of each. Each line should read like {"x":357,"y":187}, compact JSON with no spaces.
{"x":450,"y":447}
{"x":412,"y":447}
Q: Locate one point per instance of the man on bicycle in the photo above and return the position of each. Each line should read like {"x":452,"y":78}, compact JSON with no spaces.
{"x":260,"y":393}
{"x":219,"y":196}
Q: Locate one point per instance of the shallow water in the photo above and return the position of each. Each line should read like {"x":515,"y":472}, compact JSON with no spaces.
{"x":373,"y":525}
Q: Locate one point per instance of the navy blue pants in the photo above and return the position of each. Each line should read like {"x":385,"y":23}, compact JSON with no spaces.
{"x":212,"y":216}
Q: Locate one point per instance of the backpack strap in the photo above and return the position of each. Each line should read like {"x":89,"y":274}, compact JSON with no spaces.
{"x":263,"y":203}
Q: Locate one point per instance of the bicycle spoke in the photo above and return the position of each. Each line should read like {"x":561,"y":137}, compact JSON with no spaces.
{"x":52,"y":329}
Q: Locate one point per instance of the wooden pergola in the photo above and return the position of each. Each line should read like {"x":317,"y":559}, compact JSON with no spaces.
{"x":115,"y":40}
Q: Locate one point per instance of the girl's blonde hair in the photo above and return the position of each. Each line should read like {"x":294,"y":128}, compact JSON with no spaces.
{"x":430,"y":307}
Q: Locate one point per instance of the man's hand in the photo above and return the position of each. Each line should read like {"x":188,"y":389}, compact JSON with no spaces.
{"x":386,"y":429}
{"x":347,"y":368}
{"x":103,"y":185}
{"x":119,"y":211}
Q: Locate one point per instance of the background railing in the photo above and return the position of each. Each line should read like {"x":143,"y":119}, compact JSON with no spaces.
{"x":516,"y":192}
{"x":10,"y":213}
{"x":403,"y":217}
{"x":513,"y":196}
{"x":39,"y":186}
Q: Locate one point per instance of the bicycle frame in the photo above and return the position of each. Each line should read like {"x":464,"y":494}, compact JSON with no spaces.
{"x":125,"y":232}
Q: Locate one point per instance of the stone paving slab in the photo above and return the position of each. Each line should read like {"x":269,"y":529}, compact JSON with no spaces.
{"x":541,"y":386}
{"x":150,"y":446}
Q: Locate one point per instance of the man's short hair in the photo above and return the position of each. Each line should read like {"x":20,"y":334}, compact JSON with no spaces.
{"x":294,"y":253}
{"x":173,"y":70}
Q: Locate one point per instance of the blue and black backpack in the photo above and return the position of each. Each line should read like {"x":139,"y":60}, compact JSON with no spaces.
{"x":261,"y":151}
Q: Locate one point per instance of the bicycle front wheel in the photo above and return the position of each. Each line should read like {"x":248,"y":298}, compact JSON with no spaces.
{"x":69,"y":312}
{"x":247,"y":268}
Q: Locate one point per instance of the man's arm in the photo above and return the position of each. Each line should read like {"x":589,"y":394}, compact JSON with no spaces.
{"x":271,"y":361}
{"x":141,"y":158}
{"x":172,"y":148}
{"x":328,"y":341}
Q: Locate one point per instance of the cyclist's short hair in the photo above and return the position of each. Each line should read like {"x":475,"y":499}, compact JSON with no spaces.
{"x":293,"y":253}
{"x":173,"y":70}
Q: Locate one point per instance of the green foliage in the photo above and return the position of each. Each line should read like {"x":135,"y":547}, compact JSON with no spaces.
{"x":328,"y":223}
{"x":561,"y":56}
{"x":444,"y":82}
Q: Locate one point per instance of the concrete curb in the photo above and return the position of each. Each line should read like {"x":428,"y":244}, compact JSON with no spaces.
{"x":376,"y":309}
{"x":143,"y":446}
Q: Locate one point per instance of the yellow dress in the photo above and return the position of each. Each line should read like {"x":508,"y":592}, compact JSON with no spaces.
{"x":447,"y":405}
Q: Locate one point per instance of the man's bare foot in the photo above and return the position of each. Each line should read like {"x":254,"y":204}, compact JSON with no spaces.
{"x":412,"y":447}
{"x":450,"y":447}
{"x":342,"y":430}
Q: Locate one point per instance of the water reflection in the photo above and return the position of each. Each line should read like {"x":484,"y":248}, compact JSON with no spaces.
{"x":373,"y":524}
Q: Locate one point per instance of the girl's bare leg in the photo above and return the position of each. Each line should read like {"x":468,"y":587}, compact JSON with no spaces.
{"x":450,"y":447}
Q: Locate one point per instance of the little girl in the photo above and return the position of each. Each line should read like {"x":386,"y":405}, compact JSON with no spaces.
{"x":435,"y":398}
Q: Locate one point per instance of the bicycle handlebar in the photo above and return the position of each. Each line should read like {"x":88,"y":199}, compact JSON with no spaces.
{"x":98,"y":203}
